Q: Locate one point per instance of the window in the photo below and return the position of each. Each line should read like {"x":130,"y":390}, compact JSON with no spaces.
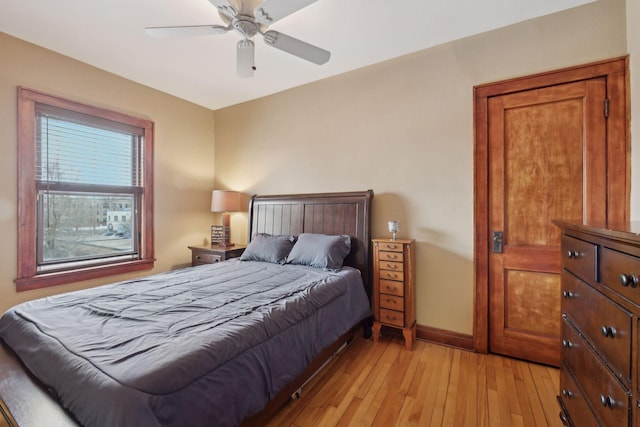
{"x":85,"y":184}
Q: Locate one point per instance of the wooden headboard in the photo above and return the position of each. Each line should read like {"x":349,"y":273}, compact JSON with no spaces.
{"x":326,"y":213}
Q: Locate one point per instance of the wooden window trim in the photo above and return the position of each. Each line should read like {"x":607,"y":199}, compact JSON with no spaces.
{"x":28,"y":276}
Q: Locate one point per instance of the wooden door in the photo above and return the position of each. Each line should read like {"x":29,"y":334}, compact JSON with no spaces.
{"x":520,"y":280}
{"x":547,"y":159}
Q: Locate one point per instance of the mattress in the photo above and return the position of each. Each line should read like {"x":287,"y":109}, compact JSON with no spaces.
{"x":202,"y":346}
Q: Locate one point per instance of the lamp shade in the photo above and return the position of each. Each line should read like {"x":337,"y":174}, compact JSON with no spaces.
{"x":226,"y":201}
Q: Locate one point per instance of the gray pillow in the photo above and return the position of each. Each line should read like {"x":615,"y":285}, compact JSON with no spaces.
{"x":268,"y":248}
{"x":320,"y":250}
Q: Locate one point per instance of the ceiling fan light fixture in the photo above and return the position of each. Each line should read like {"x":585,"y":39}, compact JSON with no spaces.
{"x":245,"y":59}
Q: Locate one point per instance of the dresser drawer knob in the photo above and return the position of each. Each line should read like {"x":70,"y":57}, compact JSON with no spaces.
{"x":392,"y":266}
{"x":607,"y":401}
{"x":608,"y":331}
{"x":568,"y":294}
{"x":567,"y":393}
{"x":573,"y":254}
{"x":567,"y":344}
{"x":629,"y":280}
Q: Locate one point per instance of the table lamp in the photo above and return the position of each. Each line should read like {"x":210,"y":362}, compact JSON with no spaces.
{"x":226,"y":201}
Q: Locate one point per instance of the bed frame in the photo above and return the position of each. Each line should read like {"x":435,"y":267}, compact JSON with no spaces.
{"x":25,"y":402}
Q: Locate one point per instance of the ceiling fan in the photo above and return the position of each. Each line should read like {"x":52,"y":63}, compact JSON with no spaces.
{"x":248,"y":18}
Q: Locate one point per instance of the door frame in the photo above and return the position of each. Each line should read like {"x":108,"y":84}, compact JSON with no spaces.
{"x":618,"y":162}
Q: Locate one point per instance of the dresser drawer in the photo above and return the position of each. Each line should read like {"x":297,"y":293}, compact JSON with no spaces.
{"x":204,"y":258}
{"x":607,"y":325}
{"x":391,"y":256}
{"x":391,"y":275}
{"x":606,"y":396}
{"x":391,"y":266}
{"x":575,"y":402}
{"x":621,"y":273}
{"x":391,"y":287}
{"x":579,"y":257}
{"x":392,"y":317}
{"x":391,"y":302}
{"x":391,"y":246}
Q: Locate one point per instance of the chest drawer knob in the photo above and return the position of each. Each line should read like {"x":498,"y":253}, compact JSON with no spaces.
{"x":629,"y":280}
{"x":573,"y":254}
{"x":608,"y":331}
{"x":607,"y":401}
{"x":567,"y":344}
{"x":568,"y":294}
{"x":567,"y":393}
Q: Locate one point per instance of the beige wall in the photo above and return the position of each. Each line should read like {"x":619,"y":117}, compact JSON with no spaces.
{"x":184,"y":153}
{"x":404,"y":128}
{"x":633,"y":46}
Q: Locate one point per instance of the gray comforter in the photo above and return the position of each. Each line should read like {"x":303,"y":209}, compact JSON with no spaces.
{"x":203,"y":346}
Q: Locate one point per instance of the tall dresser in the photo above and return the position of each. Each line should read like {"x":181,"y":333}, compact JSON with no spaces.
{"x":394,"y":303}
{"x":600,"y":370}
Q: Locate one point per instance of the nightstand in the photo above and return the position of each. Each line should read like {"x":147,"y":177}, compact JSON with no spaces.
{"x":206,"y":254}
{"x":394,"y":303}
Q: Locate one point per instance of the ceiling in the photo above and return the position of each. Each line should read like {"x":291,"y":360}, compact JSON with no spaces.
{"x":110,"y":35}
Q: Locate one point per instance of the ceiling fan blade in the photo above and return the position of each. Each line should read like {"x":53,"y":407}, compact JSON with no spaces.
{"x":271,"y":11}
{"x":224,"y":7}
{"x":297,"y":47}
{"x":245,"y":58}
{"x":186,"y":31}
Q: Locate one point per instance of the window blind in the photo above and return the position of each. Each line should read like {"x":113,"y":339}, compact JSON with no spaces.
{"x":76,"y":149}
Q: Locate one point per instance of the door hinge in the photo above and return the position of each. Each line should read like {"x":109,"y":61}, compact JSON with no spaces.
{"x":606,"y":107}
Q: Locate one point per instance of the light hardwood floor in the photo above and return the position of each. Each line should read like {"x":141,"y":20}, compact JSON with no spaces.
{"x":385,"y":385}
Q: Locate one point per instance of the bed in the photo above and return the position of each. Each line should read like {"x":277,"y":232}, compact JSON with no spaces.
{"x":275,"y":323}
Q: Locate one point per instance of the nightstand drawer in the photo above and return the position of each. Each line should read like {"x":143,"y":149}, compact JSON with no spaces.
{"x":392,"y":317}
{"x":391,"y":287}
{"x":211,"y":254}
{"x":391,"y":266}
{"x":391,"y":246}
{"x":391,"y":302}
{"x":391,"y":256}
{"x":202,"y":258}
{"x":391,"y":275}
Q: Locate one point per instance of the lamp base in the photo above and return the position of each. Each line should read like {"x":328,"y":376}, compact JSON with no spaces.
{"x":221,"y":234}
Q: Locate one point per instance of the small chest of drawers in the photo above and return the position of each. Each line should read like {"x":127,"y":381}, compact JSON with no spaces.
{"x":394,"y":302}
{"x":600,"y":370}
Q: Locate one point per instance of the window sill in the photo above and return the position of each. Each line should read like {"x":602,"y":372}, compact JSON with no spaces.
{"x":62,"y":277}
